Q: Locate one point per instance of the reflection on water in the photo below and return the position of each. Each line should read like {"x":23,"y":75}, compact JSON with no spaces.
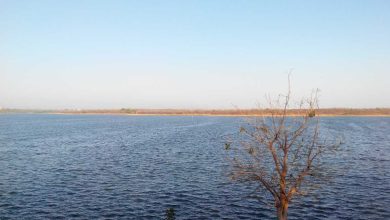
{"x":73,"y":166}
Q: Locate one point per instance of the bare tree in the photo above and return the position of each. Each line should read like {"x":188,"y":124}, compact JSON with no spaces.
{"x":281,"y":152}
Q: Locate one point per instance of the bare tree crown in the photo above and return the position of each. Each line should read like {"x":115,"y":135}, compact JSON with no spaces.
{"x":280,"y":151}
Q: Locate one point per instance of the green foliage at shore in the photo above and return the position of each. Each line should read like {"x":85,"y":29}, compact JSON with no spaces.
{"x":128,"y":111}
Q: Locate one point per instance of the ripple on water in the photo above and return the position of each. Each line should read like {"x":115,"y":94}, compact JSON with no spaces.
{"x":64,"y":166}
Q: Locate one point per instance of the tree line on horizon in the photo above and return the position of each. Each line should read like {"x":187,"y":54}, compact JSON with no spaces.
{"x":227,"y":112}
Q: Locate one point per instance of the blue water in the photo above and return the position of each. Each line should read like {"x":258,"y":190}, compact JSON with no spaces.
{"x":89,"y":166}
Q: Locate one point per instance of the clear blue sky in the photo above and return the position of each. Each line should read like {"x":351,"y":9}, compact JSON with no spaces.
{"x":192,"y":54}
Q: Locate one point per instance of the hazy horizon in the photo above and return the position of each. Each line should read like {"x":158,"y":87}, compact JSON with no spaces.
{"x":109,"y":110}
{"x":192,"y":54}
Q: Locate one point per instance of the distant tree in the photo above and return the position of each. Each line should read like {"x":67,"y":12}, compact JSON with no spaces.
{"x":281,"y":154}
{"x":128,"y":110}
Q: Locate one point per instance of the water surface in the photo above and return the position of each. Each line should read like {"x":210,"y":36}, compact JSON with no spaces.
{"x":90,"y":166}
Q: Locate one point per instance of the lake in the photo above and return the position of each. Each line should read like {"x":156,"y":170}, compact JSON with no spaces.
{"x":135,"y":167}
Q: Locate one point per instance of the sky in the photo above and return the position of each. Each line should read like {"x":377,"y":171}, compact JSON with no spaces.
{"x":192,"y":54}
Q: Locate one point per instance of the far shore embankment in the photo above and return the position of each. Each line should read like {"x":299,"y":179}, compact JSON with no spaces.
{"x":326,"y":112}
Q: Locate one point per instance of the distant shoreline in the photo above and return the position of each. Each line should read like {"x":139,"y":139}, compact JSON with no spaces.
{"x":329,"y":112}
{"x":208,"y":115}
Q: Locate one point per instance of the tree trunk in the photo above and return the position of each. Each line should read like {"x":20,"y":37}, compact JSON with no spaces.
{"x":282,"y":210}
